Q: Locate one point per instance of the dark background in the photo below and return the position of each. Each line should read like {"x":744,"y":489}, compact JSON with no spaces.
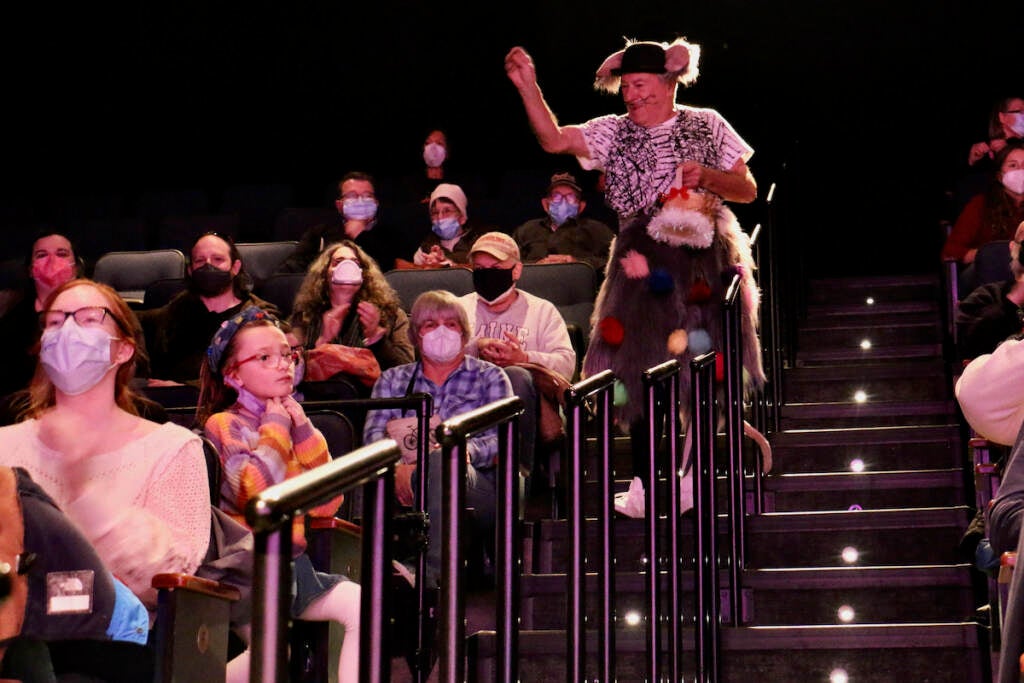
{"x":862,"y":112}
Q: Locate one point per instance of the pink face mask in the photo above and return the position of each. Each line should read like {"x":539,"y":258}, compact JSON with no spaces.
{"x":52,"y":271}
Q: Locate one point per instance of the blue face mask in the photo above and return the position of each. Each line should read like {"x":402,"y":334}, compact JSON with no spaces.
{"x":560,"y":212}
{"x":359,"y":209}
{"x":446,"y":228}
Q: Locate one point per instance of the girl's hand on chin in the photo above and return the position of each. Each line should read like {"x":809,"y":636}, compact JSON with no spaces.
{"x":294,"y":410}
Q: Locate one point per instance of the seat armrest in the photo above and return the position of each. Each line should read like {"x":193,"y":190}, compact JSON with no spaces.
{"x":195,"y":584}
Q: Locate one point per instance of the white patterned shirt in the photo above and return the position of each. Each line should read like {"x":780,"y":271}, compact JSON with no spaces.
{"x":640,"y":163}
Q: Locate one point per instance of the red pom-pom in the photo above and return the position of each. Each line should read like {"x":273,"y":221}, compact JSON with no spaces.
{"x":719,"y":367}
{"x":699,"y":293}
{"x":612,"y":331}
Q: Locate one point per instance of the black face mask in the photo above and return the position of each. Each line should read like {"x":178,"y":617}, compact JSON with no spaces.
{"x":211,"y":280}
{"x":490,"y":283}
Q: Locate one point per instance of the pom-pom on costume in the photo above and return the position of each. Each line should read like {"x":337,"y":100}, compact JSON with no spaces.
{"x":662,"y":296}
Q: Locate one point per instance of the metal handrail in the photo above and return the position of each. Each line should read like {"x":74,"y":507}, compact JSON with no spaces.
{"x":599,"y":386}
{"x":707,"y":634}
{"x":269,"y":514}
{"x":423,"y":404}
{"x":662,"y":378}
{"x":732,"y":334}
{"x":452,"y":434}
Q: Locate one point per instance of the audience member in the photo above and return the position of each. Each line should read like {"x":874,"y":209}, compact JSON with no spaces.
{"x":991,"y":215}
{"x":178,"y":333}
{"x":458,"y":383}
{"x":52,"y":262}
{"x":264,"y":437}
{"x":138,"y":490}
{"x":359,"y":221}
{"x":994,"y":311}
{"x":346,"y":302}
{"x":1006,"y":122}
{"x":436,"y":168}
{"x":991,"y":395}
{"x":452,"y":233}
{"x":564,"y":235}
{"x":523,"y":334}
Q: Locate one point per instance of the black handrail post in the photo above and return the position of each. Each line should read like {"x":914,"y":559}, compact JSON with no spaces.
{"x":375,"y":601}
{"x":733,"y":348}
{"x":775,"y":345}
{"x":424,"y":411}
{"x":509,"y":558}
{"x":271,"y":601}
{"x":452,"y":639}
{"x":653,"y":379}
{"x":575,"y":664}
{"x":702,"y":425}
{"x":673,"y":476}
{"x":600,"y":385}
{"x":452,"y":435}
{"x":269,"y":514}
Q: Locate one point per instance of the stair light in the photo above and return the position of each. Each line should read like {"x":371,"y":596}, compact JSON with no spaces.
{"x":865,"y":344}
{"x":850,"y":554}
{"x":856,"y":465}
{"x":838,"y":676}
{"x":860,"y":396}
{"x":870,"y":301}
{"x":632,"y":618}
{"x":845,"y":614}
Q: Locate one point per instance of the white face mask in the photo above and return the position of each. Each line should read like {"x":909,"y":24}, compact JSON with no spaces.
{"x":441,"y":344}
{"x":1016,"y":123}
{"x":434,"y":154}
{"x":347,"y":272}
{"x":1014,"y":180}
{"x":75,"y":358}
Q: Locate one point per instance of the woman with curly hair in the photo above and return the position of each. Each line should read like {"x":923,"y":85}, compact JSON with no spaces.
{"x":345,"y":301}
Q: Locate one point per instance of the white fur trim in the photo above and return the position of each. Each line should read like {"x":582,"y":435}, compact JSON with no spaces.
{"x":682,"y":227}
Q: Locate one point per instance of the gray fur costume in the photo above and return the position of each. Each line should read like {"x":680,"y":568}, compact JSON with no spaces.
{"x":645,"y":311}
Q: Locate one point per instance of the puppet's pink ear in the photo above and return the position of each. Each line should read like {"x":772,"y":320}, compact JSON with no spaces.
{"x":614,"y":61}
{"x":677,"y":58}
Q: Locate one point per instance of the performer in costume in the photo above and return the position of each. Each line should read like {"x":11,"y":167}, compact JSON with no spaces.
{"x":668,"y":169}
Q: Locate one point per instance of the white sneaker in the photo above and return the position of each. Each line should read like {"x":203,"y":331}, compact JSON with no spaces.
{"x":407,"y":573}
{"x":631,"y":501}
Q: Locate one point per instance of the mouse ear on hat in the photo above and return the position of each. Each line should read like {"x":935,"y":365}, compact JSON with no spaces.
{"x":677,"y":58}
{"x":612,"y":62}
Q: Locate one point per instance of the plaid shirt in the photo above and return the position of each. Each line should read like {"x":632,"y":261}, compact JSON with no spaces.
{"x":473,"y":384}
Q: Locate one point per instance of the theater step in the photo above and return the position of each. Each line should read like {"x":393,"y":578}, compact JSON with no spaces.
{"x":870,"y":334}
{"x":862,"y":490}
{"x":784,"y":539}
{"x":868,"y":414}
{"x":879,"y":653}
{"x":899,"y":447}
{"x":873,"y":292}
{"x":876,"y":595}
{"x":919,"y":379}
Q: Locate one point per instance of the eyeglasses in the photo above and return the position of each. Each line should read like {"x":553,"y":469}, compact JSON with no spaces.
{"x":558,"y":198}
{"x":444,"y":212}
{"x":271,"y":360}
{"x":87,"y":316}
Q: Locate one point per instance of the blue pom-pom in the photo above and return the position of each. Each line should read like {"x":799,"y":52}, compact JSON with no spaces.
{"x":700,"y":342}
{"x":660,"y":281}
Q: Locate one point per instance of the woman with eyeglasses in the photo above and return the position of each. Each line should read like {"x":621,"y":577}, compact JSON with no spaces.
{"x":263,"y":437}
{"x":137,"y":489}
